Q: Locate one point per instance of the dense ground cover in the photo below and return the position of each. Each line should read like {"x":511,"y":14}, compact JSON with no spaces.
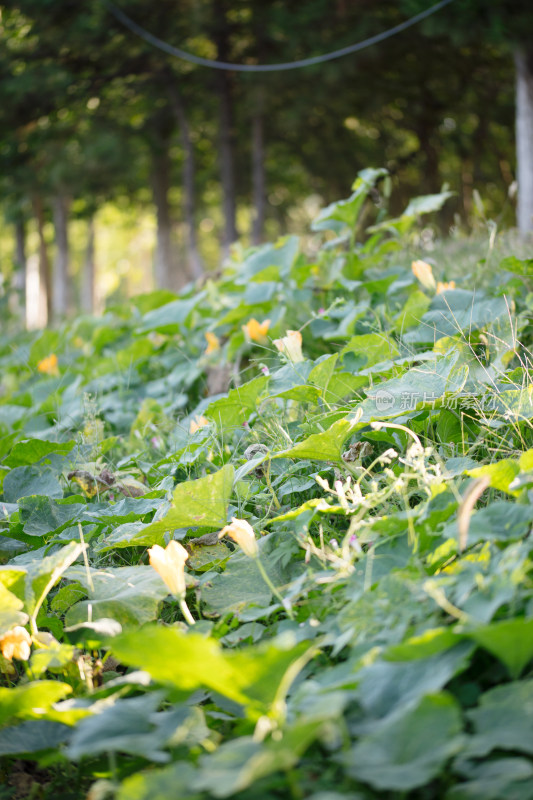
{"x":364,"y":627}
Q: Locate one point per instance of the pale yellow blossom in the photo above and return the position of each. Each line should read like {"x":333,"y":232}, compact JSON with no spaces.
{"x":197,"y":423}
{"x":48,"y":365}
{"x":291,"y":346}
{"x":423,"y":272}
{"x":443,"y":286}
{"x":16,"y":643}
{"x":256,"y":331}
{"x":169,"y":563}
{"x":213,"y":343}
{"x":242,"y":533}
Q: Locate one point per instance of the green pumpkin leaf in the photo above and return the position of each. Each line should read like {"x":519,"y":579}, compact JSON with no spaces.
{"x":503,"y":720}
{"x":455,"y":311}
{"x":511,"y":641}
{"x":127,"y":725}
{"x":189,"y":661}
{"x":33,"y":736}
{"x":29,"y":451}
{"x":388,"y":685}
{"x":160,"y":784}
{"x":240,"y":585}
{"x":420,"y":386}
{"x":31,"y":480}
{"x":500,"y":475}
{"x":11,"y":613}
{"x":171,"y":316}
{"x":240,"y":762}
{"x":398,"y":756}
{"x":232,"y":411}
{"x":371,"y":348}
{"x":200,"y":503}
{"x":128,"y":595}
{"x":411,"y":314}
{"x":502,"y":777}
{"x":325,"y":446}
{"x":30,"y":700}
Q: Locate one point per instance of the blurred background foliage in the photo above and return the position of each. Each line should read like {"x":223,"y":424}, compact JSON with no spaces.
{"x":122,"y":167}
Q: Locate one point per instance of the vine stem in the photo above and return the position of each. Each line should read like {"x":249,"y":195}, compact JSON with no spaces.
{"x":272,"y":588}
{"x":271,"y":488}
{"x":186,"y":613}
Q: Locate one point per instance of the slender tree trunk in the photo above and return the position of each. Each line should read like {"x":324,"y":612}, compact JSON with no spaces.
{"x":524,"y":139}
{"x":189,"y":170}
{"x":426,"y":128}
{"x":61,"y":278}
{"x":160,"y":188}
{"x":467,"y":186}
{"x":45,"y":287}
{"x":258,"y":171}
{"x":20,"y":254}
{"x":431,"y":176}
{"x":227,"y":167}
{"x":88,"y":282}
{"x":18,"y":301}
{"x":258,"y":95}
{"x":226,"y":146}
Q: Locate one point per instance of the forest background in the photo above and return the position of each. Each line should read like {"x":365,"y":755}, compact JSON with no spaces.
{"x":123,"y":168}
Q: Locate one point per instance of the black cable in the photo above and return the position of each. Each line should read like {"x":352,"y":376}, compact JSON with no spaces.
{"x":303,"y":62}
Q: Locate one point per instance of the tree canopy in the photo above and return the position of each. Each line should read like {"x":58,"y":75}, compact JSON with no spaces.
{"x":91,"y":112}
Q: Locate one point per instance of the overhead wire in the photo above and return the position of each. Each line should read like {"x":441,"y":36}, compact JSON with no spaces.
{"x":282,"y":67}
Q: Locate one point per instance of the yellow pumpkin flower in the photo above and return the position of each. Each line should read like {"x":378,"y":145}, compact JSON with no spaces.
{"x":443,"y":286}
{"x":197,"y":423}
{"x":48,"y":365}
{"x":169,"y":563}
{"x":213,"y":343}
{"x":291,"y":346}
{"x":242,"y":533}
{"x":256,"y":331}
{"x":16,"y":643}
{"x":423,"y":272}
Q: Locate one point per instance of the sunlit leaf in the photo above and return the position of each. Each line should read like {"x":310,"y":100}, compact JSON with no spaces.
{"x":11,"y":613}
{"x":31,"y":700}
{"x":202,"y":502}
{"x":325,"y":446}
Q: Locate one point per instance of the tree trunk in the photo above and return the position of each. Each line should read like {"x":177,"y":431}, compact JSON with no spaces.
{"x":430,"y":176}
{"x":524,"y":139}
{"x":17,"y":302}
{"x":227,"y":169}
{"x":45,"y":288}
{"x":194,"y":259}
{"x":467,"y":187}
{"x":258,"y":171}
{"x":20,"y":254}
{"x":258,"y":94}
{"x":163,"y":250}
{"x":61,"y":279}
{"x":88,"y":283}
{"x":226,"y":138}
